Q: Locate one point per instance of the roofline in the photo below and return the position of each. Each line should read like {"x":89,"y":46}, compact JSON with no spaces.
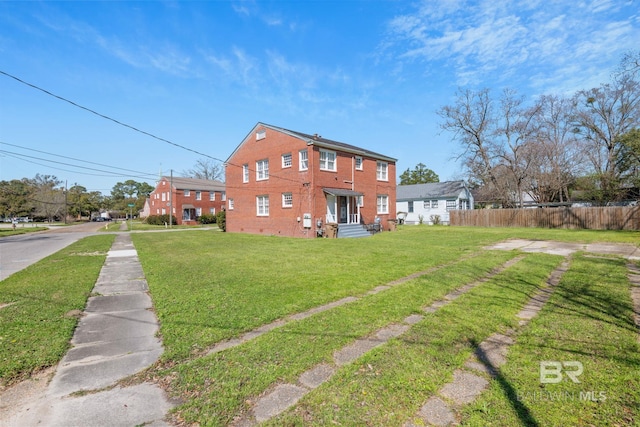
{"x":311,"y":141}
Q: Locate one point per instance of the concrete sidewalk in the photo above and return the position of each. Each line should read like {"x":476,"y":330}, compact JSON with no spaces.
{"x":115,"y":338}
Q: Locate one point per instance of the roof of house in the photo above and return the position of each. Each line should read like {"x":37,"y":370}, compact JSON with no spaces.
{"x":433,"y":190}
{"x":320,"y":142}
{"x":195,"y":184}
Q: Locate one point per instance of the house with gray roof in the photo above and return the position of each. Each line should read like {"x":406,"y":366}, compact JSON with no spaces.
{"x":431,"y":203}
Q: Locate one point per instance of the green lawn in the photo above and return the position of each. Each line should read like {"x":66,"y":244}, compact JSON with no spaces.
{"x":35,"y":327}
{"x":209,"y":286}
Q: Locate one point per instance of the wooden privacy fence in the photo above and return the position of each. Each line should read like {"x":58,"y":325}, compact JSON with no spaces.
{"x":600,"y":218}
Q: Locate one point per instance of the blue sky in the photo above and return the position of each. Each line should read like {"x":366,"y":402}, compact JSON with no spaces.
{"x":201,"y":74}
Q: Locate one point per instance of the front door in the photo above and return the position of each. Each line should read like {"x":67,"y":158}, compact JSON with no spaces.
{"x":344,"y":210}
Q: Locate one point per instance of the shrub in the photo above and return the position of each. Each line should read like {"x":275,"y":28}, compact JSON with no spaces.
{"x":159,"y":219}
{"x":435,"y":219}
{"x":221,"y":220}
{"x":207,"y":219}
{"x":420,"y":219}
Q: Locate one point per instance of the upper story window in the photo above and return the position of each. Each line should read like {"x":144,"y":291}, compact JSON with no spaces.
{"x":358,"y":163}
{"x":223,"y":195}
{"x":261,"y":134}
{"x":286,"y":160}
{"x":164,"y":197}
{"x":381,"y":171}
{"x":212,"y":196}
{"x":187,"y":193}
{"x":262,"y":169}
{"x":327,"y":160}
{"x":304,"y":160}
{"x":230,"y":204}
{"x":245,"y":173}
{"x":198,"y":195}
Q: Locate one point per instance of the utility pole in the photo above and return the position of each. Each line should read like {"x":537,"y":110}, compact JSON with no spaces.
{"x":171,"y":200}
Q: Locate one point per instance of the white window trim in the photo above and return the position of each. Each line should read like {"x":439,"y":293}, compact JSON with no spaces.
{"x":230,"y":204}
{"x":379,"y":175}
{"x":198,"y":195}
{"x":262,"y":202}
{"x":212,"y":196}
{"x":245,"y":173}
{"x":287,"y":202}
{"x":379,"y":205}
{"x":326,"y":161}
{"x":303,"y":163}
{"x":284,"y":165}
{"x":262,"y":173}
{"x":359,"y":168}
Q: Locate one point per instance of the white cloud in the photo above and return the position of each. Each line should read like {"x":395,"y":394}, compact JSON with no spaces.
{"x":498,"y":40}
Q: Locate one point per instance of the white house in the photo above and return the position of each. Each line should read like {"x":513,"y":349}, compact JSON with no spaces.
{"x":429,"y":203}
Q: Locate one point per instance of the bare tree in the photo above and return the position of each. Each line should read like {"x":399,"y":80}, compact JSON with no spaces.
{"x":604,"y":114}
{"x":205,"y":169}
{"x":557,"y":155}
{"x":471,"y":121}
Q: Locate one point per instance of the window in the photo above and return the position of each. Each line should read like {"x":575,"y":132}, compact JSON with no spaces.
{"x":383,"y":204}
{"x":187,"y":193}
{"x":261,"y":134}
{"x":451,"y":205}
{"x":198,"y":195}
{"x":304,"y":160}
{"x":327,"y":160}
{"x":245,"y":173}
{"x":212,"y":196}
{"x":358,"y":163}
{"x":287,"y":200}
{"x":212,"y":211}
{"x":262,"y":205}
{"x":410,"y":207}
{"x":464,"y":204}
{"x":262,"y":170}
{"x":198,"y":212}
{"x":426,"y":204}
{"x":381,"y":171}
{"x":223,"y":196}
{"x":164,"y":211}
{"x":360,"y":201}
{"x":434,"y":204}
{"x":164,"y":197}
{"x":286,"y":160}
{"x":230,"y":204}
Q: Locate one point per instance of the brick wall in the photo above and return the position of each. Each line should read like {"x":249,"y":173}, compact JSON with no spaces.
{"x":305,"y":186}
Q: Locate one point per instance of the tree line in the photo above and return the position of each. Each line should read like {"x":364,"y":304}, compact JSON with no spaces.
{"x":554,"y":148}
{"x":46,"y":197}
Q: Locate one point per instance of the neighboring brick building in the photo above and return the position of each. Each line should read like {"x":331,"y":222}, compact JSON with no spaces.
{"x":287,"y":183}
{"x":190,"y":198}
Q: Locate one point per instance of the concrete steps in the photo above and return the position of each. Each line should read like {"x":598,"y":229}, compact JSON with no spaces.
{"x":352,"y":230}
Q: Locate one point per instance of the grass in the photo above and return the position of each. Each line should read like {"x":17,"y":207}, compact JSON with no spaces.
{"x":221,"y":384}
{"x":589,"y":320}
{"x":34,"y":327}
{"x":388,"y":385}
{"x":7,"y":231}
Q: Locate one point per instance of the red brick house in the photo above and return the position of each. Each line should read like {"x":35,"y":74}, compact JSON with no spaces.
{"x":189,"y":197}
{"x":287,"y":183}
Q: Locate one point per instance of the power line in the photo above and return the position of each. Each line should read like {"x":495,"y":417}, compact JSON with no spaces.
{"x":113,"y":174}
{"x":75,"y":104}
{"x":107,"y":117}
{"x":78,"y":160}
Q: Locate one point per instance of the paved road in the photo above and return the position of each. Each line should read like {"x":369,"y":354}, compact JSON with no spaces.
{"x":19,"y":252}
